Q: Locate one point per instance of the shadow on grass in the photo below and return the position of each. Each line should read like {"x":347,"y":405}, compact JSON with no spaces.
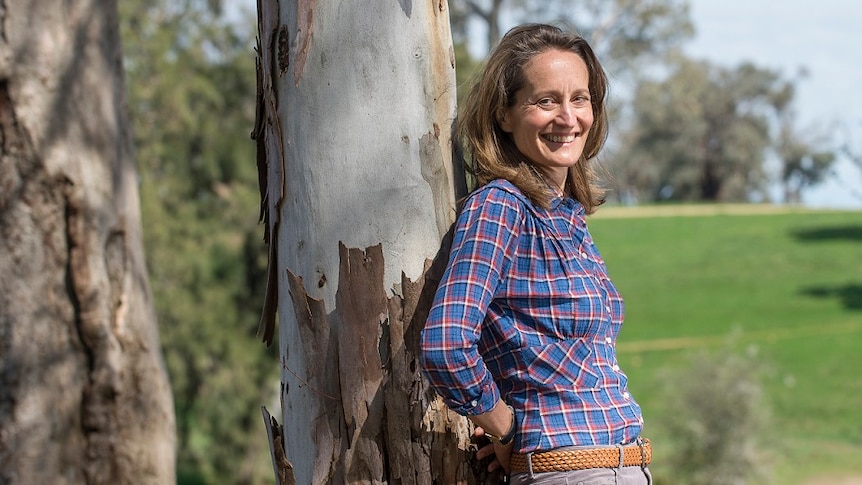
{"x":850,"y":294}
{"x":827,"y":233}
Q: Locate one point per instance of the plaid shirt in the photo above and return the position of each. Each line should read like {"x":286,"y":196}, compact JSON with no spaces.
{"x":526,"y":311}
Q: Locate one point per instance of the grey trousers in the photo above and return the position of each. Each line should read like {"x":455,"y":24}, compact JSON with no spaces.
{"x":627,"y":475}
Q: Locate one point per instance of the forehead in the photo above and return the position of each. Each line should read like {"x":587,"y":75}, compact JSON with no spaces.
{"x":556,"y":66}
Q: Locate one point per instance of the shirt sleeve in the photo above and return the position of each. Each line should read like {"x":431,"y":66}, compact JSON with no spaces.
{"x":482,"y":249}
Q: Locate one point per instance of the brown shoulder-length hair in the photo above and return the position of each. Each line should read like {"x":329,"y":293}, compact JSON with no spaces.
{"x":491,"y":152}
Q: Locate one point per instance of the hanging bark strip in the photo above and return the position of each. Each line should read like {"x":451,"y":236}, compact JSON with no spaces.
{"x":272,"y":61}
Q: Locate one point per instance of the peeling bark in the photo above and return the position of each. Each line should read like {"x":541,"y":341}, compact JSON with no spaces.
{"x":282,"y":467}
{"x":322,"y":380}
{"x":364,"y":160}
{"x":362,"y":318}
{"x":272,"y":61}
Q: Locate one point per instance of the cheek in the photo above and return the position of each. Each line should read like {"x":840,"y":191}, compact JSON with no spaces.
{"x":523,"y":128}
{"x":530,"y":125}
{"x":589,"y":117}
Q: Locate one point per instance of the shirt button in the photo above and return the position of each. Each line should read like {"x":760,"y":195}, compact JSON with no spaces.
{"x":474,"y":403}
{"x":609,"y":340}
{"x":616,"y":368}
{"x":584,"y":255}
{"x":626,"y":395}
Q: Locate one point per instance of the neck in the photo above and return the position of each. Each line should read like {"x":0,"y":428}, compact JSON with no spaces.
{"x":555,"y":179}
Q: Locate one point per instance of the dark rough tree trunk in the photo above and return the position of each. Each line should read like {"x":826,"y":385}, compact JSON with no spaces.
{"x":84,"y":396}
{"x":356,"y":103}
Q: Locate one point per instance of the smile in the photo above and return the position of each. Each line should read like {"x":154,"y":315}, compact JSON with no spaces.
{"x":559,"y":139}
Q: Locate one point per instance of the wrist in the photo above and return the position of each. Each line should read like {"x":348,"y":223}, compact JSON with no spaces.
{"x":508,"y":436}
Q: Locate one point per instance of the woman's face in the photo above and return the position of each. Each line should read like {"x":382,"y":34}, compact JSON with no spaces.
{"x":552,"y":114}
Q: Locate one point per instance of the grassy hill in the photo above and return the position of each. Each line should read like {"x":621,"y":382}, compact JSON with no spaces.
{"x":782,"y":285}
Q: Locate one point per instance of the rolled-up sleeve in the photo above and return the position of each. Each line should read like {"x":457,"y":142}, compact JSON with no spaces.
{"x":483,"y":247}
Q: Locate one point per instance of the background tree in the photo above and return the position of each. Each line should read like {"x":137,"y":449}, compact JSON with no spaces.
{"x":802,"y":164}
{"x":802,"y":155}
{"x":84,"y":396}
{"x":852,"y":149}
{"x":190,"y":68}
{"x":702,"y":134}
{"x":628,"y":35}
{"x":487,"y":12}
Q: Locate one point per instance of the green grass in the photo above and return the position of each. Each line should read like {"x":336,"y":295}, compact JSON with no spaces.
{"x":785,"y":286}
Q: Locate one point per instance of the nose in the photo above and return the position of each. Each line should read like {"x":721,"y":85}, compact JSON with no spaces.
{"x":567,"y":115}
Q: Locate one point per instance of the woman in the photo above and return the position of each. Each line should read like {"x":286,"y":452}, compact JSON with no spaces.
{"x":521,"y":335}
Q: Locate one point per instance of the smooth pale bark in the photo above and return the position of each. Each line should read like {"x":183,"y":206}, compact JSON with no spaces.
{"x":356,"y":103}
{"x":84,"y":395}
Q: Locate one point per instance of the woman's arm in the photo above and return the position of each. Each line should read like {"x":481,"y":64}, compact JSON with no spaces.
{"x":483,"y":246}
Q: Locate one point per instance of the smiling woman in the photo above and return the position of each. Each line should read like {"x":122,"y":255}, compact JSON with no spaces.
{"x":517,"y":71}
{"x":521,"y":337}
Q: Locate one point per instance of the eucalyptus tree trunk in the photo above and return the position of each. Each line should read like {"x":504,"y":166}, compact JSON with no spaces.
{"x":356,"y":103}
{"x":84,"y":396}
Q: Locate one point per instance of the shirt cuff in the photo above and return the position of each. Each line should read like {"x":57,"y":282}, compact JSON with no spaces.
{"x":488,"y":396}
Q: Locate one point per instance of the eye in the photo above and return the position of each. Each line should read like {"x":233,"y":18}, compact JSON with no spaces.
{"x":581,"y":100}
{"x":546,"y":103}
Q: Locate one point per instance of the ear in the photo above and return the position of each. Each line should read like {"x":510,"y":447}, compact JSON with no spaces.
{"x":504,"y":121}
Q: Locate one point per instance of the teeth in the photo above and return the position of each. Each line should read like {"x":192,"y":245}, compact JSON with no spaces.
{"x":560,"y":139}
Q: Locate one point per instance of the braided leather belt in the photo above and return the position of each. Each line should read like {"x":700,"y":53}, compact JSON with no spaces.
{"x":635,"y":454}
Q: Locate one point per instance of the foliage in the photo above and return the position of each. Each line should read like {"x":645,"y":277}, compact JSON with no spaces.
{"x":780,"y":281}
{"x":630,"y":36}
{"x":488,"y":12}
{"x":626,"y":34}
{"x":853,"y":152}
{"x":717,"y":420}
{"x":466,"y":69}
{"x":803,"y":166}
{"x":852,"y":149}
{"x":702,"y":134}
{"x":190,"y":73}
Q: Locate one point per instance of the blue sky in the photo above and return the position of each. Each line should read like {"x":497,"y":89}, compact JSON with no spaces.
{"x":824,"y":37}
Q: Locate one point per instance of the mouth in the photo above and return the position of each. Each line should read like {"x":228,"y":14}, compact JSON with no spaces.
{"x":559,"y":138}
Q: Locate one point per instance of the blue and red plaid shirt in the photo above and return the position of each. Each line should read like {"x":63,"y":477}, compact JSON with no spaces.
{"x":526,"y":311}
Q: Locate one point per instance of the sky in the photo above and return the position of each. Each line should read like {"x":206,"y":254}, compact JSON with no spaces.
{"x":822,"y":36}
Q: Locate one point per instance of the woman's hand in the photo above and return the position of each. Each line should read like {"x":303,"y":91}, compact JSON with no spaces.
{"x":501,"y":453}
